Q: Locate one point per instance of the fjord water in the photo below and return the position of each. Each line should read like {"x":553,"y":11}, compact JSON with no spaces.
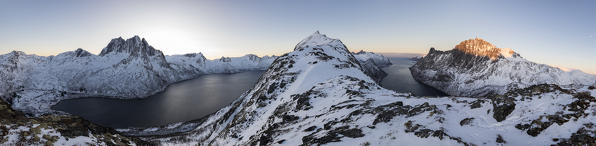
{"x":400,"y":79}
{"x":196,"y":98}
{"x":183,"y":101}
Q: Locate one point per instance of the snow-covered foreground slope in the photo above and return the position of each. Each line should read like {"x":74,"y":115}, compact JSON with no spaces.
{"x":17,"y":129}
{"x":319,"y":94}
{"x":128,"y":68}
{"x":477,"y":68}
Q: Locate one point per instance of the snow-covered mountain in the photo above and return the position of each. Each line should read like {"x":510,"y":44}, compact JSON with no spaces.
{"x":372,"y":64}
{"x":128,"y":68}
{"x":477,"y":68}
{"x":198,"y":64}
{"x":377,"y":59}
{"x":320,"y":94}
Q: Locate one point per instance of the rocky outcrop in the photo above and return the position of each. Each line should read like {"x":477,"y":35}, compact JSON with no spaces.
{"x":81,"y":53}
{"x":477,"y":68}
{"x":17,"y":129}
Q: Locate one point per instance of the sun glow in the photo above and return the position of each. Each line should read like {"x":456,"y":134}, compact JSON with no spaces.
{"x":173,"y":41}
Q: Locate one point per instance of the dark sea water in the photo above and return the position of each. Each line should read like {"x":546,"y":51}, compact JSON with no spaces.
{"x":196,"y":98}
{"x":184,"y":101}
{"x":400,"y":79}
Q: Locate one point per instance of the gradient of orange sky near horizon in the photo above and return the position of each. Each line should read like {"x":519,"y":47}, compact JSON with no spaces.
{"x":558,"y":33}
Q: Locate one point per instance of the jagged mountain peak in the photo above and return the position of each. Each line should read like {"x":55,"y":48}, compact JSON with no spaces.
{"x":135,"y":46}
{"x":360,"y":52}
{"x":225,"y":59}
{"x":480,"y":47}
{"x":475,"y":43}
{"x":194,"y":55}
{"x":317,"y":39}
{"x":316,"y":60}
{"x":17,"y":53}
{"x":478,"y":68}
{"x":81,"y":53}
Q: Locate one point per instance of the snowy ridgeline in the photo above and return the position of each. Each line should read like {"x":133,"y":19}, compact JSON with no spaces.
{"x":461,"y":73}
{"x":124,"y":69}
{"x":319,"y":94}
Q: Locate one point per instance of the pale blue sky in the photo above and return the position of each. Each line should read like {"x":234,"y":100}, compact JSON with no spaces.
{"x":559,"y":33}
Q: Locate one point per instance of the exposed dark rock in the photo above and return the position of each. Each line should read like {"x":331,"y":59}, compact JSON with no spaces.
{"x":303,"y":100}
{"x":281,"y":141}
{"x":466,"y":121}
{"x":582,"y":103}
{"x":289,"y":118}
{"x":311,"y":128}
{"x":500,"y":139}
{"x":81,"y":53}
{"x":584,"y":136}
{"x":422,"y":132}
{"x":267,"y":137}
{"x":334,"y":135}
{"x":536,"y":90}
{"x":476,"y":104}
{"x":502,"y":107}
{"x":387,"y":112}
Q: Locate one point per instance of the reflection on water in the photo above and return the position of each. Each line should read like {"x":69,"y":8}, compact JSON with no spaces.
{"x":400,"y":79}
{"x":184,"y":101}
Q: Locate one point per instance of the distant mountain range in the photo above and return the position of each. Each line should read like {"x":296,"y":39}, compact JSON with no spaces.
{"x":128,"y":68}
{"x":320,"y":93}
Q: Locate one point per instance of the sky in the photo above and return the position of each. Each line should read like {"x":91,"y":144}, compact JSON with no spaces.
{"x":555,"y":32}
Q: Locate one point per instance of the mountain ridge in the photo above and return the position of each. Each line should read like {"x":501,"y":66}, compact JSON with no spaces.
{"x":316,"y":95}
{"x":125,"y":69}
{"x":480,"y":47}
{"x":461,"y":73}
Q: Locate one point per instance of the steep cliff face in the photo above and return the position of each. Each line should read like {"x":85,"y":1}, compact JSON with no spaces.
{"x":480,"y":47}
{"x":319,"y":94}
{"x":372,"y":63}
{"x":477,"y":68}
{"x":134,"y":46}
